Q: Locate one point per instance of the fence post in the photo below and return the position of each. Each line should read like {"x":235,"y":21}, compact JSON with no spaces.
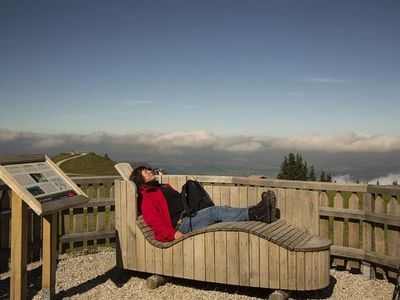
{"x":366,"y":268}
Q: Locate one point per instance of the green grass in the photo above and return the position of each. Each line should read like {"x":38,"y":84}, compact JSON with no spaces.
{"x":62,"y":156}
{"x":90,"y":164}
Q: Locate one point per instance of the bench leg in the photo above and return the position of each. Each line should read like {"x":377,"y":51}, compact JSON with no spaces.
{"x":279,"y":295}
{"x":154,"y":281}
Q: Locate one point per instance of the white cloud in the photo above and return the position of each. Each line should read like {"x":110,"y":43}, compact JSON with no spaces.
{"x":8,"y":135}
{"x":386,"y":180}
{"x":323,"y":80}
{"x":347,"y":142}
{"x":339,"y":142}
{"x":346,"y":178}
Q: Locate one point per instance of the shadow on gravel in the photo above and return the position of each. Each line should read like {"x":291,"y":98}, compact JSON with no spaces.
{"x":318,"y":294}
{"x":33,"y":282}
{"x":118,"y":276}
{"x":255,"y":292}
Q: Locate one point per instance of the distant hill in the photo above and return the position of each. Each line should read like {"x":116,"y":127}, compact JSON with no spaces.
{"x":89,"y":164}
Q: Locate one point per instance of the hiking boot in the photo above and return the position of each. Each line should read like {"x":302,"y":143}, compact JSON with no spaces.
{"x":259,"y":212}
{"x":274,"y":213}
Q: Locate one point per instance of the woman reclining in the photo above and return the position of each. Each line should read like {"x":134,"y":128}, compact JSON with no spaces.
{"x":163,"y":211}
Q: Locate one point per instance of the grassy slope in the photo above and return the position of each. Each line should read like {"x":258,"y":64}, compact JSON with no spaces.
{"x":62,"y":156}
{"x":90,"y":164}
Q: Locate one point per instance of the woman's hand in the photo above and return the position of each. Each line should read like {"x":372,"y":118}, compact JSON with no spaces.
{"x":178,"y":235}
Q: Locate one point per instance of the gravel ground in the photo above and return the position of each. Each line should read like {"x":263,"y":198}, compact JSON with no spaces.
{"x":95,"y":276}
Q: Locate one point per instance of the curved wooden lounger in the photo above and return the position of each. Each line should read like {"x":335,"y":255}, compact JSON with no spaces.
{"x":279,"y":255}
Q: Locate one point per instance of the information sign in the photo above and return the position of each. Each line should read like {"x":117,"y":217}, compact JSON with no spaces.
{"x":40,"y":183}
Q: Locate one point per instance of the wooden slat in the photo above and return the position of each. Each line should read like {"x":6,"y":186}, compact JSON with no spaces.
{"x":281,"y":202}
{"x":220,"y":257}
{"x":210,"y":256}
{"x":244,"y":259}
{"x":19,"y":243}
{"x":393,"y":232}
{"x":274,"y":266}
{"x":188,"y":263}
{"x":300,"y":269}
{"x":49,"y":260}
{"x":234,"y":196}
{"x":323,"y":221}
{"x":123,"y":219}
{"x":265,"y":265}
{"x":301,"y":208}
{"x":232,"y":252}
{"x":225,"y":197}
{"x":243,"y":202}
{"x":149,"y":263}
{"x":254,"y":261}
{"x":167,"y":262}
{"x":86,"y":236}
{"x":216,"y":195}
{"x":338,"y":227}
{"x":252,"y":197}
{"x":131,"y":215}
{"x":354,"y":229}
{"x":140,"y":251}
{"x":315,"y":270}
{"x":117,"y":191}
{"x":158,"y":261}
{"x":308,"y":274}
{"x":290,"y":209}
{"x":367,"y":227}
{"x":283,"y":268}
{"x":199,"y":258}
{"x":292,"y":267}
{"x":177,"y":259}
{"x":379,"y":229}
{"x":313,"y":211}
{"x":281,"y":236}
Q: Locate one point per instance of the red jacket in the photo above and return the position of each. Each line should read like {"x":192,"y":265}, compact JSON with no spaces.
{"x":156,"y":213}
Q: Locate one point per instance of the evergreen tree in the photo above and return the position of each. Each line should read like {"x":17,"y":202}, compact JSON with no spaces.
{"x":329,"y":178}
{"x":311,"y":175}
{"x":106,"y":156}
{"x":304,"y":173}
{"x":283,"y":173}
{"x":291,"y":171}
{"x":395,"y":182}
{"x":322,"y":177}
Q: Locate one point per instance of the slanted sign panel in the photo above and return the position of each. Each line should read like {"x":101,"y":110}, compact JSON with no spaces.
{"x":40,"y":183}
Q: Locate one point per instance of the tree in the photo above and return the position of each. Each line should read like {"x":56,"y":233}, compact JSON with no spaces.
{"x":322,"y":177}
{"x":329,"y":178}
{"x":395,"y":182}
{"x":106,"y":156}
{"x":294,"y":168}
{"x":311,"y":174}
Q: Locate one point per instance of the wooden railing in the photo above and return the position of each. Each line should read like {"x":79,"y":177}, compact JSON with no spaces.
{"x":363,"y":221}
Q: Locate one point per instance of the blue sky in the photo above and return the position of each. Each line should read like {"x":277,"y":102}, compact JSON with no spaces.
{"x":230,"y":68}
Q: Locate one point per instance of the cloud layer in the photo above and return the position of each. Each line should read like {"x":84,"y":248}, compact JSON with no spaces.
{"x":205,"y":139}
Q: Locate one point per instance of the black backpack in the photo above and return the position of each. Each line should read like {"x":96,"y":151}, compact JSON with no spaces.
{"x":194,"y":198}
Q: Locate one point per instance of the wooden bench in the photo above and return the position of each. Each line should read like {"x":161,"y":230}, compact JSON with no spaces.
{"x":280,"y":255}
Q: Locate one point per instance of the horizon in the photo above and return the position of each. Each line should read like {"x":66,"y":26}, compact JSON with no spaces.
{"x":209,"y":86}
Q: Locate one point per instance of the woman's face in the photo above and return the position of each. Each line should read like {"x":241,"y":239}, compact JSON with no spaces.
{"x":148,"y":175}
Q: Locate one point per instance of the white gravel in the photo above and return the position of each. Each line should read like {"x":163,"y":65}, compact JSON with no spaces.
{"x":94,"y":276}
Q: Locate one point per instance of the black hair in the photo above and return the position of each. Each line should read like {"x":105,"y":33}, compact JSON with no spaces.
{"x":137,"y":177}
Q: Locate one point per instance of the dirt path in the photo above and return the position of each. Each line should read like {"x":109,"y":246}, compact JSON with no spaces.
{"x":67,"y":159}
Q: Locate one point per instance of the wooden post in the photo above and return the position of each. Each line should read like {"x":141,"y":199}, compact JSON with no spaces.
{"x":19,"y":246}
{"x":49,"y":256}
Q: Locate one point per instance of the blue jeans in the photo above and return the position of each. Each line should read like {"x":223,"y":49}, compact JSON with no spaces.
{"x":214,"y":214}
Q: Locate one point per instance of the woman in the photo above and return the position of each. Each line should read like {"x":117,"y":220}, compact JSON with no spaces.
{"x":162,"y":209}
